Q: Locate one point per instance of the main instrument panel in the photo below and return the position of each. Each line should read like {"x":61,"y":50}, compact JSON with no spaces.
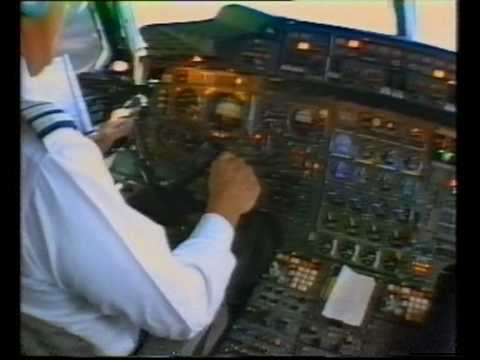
{"x":352,"y":135}
{"x":353,"y":183}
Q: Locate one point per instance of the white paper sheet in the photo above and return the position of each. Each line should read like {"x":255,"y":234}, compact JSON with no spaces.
{"x":349,"y":298}
{"x":58,"y":84}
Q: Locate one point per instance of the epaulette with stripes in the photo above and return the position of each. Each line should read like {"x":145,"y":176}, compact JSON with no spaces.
{"x":44,"y":117}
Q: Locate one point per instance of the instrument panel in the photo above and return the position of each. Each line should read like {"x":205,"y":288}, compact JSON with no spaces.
{"x":352,"y":135}
{"x":290,"y":49}
{"x":358,"y":60}
{"x":352,"y":183}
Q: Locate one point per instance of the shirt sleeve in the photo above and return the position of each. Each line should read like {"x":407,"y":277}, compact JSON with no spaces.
{"x":104,"y":250}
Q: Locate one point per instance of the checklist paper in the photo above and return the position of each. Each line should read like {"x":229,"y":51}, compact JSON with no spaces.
{"x":349,"y":298}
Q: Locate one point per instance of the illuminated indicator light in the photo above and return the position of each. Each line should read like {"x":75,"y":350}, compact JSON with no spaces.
{"x":178,"y":89}
{"x":390,"y":125}
{"x":452,"y":82}
{"x":323,"y":113}
{"x":210,"y":91}
{"x":238,"y":81}
{"x":439,"y":74}
{"x":425,"y":266}
{"x":120,"y":66}
{"x":197,"y":58}
{"x":354,"y":44}
{"x":241,"y":96}
{"x":376,"y":122}
{"x":447,"y":156}
{"x":452,"y":183}
{"x":303,"y":45}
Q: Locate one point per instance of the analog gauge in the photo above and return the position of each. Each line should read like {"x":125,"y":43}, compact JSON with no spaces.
{"x":376,"y":122}
{"x":302,"y":122}
{"x":323,"y":114}
{"x":342,"y":145}
{"x":226,"y":118}
{"x":390,"y":126}
{"x":305,"y":121}
{"x":228,"y":114}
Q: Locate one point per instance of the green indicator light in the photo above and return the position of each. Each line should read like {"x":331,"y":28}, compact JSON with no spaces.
{"x":448,"y":156}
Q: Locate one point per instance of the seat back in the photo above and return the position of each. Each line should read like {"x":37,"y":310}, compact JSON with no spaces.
{"x":38,"y":338}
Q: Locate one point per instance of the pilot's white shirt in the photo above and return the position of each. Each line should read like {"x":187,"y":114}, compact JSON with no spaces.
{"x":96,"y":267}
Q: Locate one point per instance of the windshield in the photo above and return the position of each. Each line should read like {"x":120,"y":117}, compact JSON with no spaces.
{"x":436,"y":19}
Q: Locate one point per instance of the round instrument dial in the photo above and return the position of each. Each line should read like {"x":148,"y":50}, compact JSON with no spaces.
{"x":304,"y":122}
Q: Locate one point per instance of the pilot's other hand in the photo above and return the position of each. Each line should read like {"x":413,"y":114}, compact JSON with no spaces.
{"x":119,"y":125}
{"x":233,"y":188}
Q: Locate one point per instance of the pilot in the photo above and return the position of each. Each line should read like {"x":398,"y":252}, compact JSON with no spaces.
{"x":95,"y":271}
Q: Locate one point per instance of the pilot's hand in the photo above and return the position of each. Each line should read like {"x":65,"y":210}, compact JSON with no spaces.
{"x":119,"y":125}
{"x":233,"y":187}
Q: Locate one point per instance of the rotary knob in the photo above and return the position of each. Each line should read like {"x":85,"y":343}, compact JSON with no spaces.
{"x":352,"y":223}
{"x":373,"y":233}
{"x":277,"y":342}
{"x":311,"y":329}
{"x":331,"y":218}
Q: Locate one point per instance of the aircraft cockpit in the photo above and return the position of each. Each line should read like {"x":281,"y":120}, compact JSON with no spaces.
{"x":351,"y":131}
